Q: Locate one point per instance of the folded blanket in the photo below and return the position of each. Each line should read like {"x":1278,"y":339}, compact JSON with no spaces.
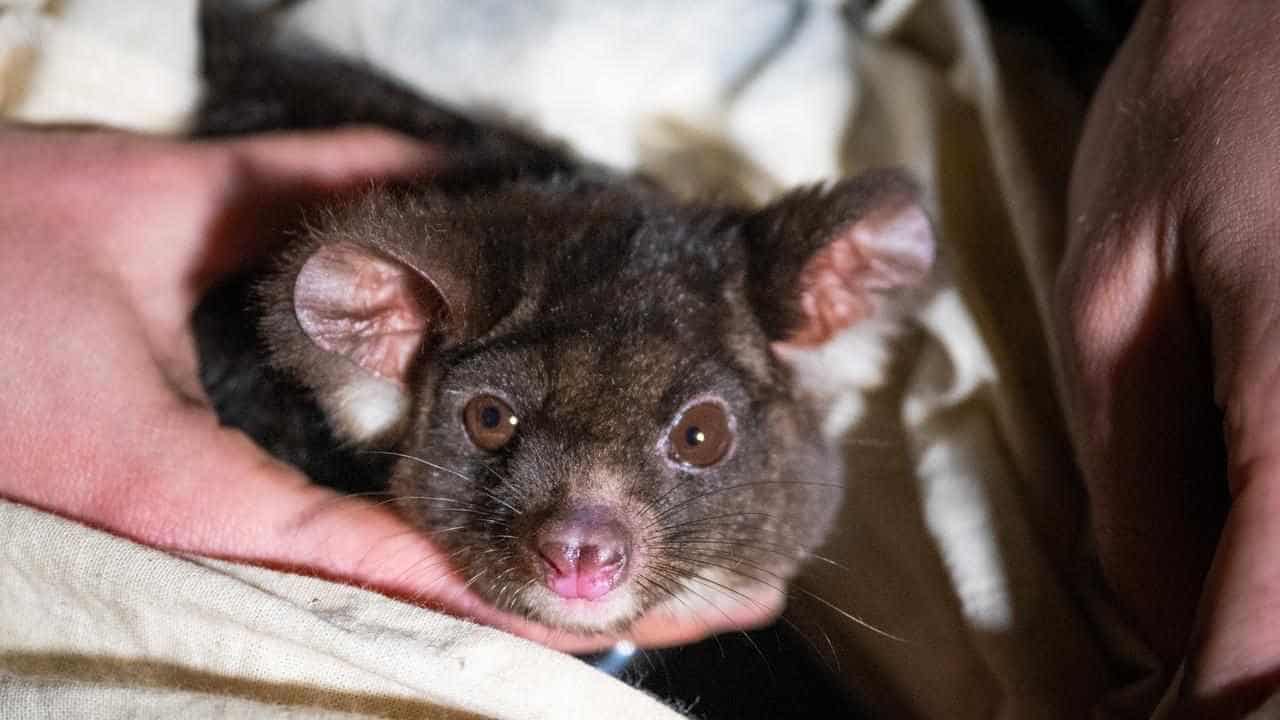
{"x":106,"y":628}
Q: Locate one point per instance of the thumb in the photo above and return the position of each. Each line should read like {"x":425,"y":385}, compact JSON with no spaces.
{"x":1143,"y":422}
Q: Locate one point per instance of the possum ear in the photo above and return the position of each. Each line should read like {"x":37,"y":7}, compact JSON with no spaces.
{"x":349,"y":320}
{"x":821,"y":258}
{"x":371,"y":310}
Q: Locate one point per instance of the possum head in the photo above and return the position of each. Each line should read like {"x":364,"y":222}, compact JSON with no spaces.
{"x":587,"y":383}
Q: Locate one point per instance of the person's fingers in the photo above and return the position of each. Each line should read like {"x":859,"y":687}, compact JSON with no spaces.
{"x":328,"y":160}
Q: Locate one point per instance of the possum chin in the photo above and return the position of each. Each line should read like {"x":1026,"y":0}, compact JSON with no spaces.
{"x":588,"y":589}
{"x":613,"y":612}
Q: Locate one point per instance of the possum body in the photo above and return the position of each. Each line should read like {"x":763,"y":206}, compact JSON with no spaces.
{"x":584,"y":381}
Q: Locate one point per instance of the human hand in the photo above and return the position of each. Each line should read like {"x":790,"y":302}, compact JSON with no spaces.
{"x":107,"y":242}
{"x":1169,"y":320}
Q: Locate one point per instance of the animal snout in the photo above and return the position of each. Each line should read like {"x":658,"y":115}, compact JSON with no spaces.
{"x":585,"y":552}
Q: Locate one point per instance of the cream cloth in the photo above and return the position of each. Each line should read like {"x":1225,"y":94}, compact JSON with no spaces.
{"x":964,"y":525}
{"x":106,"y":628}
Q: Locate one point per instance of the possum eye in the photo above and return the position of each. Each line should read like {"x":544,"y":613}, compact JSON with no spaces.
{"x":489,"y":421}
{"x":702,"y":435}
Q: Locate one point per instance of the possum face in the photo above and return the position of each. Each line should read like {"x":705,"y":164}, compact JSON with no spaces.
{"x":584,"y":385}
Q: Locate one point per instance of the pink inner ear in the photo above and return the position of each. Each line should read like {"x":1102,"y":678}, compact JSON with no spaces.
{"x":888,"y":248}
{"x":363,"y":306}
{"x":831,"y":293}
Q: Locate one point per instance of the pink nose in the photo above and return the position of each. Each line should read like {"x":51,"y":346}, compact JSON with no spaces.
{"x":585,"y":552}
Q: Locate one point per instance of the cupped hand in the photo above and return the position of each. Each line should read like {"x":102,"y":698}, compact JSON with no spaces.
{"x":107,"y":241}
{"x":1169,"y":324}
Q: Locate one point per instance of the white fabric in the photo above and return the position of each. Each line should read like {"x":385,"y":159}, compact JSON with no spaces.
{"x":211,"y":637}
{"x":963,"y":526}
{"x":128,"y":64}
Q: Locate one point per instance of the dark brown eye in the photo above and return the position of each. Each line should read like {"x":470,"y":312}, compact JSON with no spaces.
{"x":702,"y":436}
{"x":489,"y":421}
